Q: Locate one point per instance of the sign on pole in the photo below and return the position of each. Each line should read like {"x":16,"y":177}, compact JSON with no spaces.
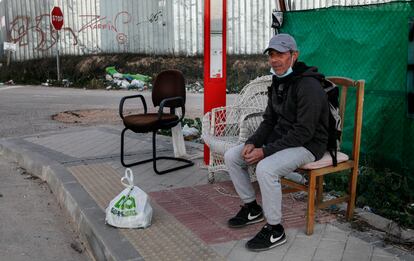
{"x":56,"y":19}
{"x":9,"y":46}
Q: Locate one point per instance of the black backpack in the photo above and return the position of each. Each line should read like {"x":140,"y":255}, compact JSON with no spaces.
{"x":334,"y":128}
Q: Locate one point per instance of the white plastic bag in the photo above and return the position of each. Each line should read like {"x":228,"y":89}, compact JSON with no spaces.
{"x":131,"y":208}
{"x":137,"y":84}
{"x":187,"y":131}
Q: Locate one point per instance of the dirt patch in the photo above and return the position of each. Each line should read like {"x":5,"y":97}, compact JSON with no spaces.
{"x":92,"y":116}
{"x":99,"y":116}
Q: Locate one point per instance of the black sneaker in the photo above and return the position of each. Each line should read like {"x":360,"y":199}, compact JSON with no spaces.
{"x":246,"y":216}
{"x":267,"y":238}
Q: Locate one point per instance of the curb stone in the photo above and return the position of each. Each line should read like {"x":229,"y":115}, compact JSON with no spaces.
{"x":386,"y":225}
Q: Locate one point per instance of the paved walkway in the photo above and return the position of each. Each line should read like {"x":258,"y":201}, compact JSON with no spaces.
{"x":82,"y":168}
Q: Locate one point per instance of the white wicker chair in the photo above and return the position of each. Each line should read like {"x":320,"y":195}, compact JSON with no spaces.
{"x":226,"y":127}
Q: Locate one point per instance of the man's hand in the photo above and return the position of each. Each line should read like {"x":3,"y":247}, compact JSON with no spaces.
{"x":254,"y":156}
{"x":247,"y":149}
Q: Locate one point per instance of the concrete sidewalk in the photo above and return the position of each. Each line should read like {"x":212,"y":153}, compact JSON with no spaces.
{"x":83,"y":169}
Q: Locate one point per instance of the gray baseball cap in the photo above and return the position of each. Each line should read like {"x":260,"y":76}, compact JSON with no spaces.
{"x":282,"y":43}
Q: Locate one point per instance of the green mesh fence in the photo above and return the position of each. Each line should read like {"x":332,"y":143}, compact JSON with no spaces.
{"x":370,"y":43}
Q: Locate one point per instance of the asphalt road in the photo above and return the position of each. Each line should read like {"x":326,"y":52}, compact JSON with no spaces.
{"x":32,"y":224}
{"x":28,"y":109}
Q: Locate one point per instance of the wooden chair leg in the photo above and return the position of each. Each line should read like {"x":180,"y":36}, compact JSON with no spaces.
{"x":319,"y":190}
{"x":310,"y":215}
{"x":352,"y":193}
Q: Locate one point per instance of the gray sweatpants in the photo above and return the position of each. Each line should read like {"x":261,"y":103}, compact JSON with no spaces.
{"x":268,"y":171}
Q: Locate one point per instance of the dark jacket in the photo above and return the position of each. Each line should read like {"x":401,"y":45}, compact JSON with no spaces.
{"x":296,"y":115}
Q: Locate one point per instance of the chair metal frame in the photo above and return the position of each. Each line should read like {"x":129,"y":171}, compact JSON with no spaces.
{"x":169,"y":125}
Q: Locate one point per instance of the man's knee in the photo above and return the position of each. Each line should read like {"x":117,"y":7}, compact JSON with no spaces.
{"x":262,"y":172}
{"x":231,"y":156}
{"x":265,"y":172}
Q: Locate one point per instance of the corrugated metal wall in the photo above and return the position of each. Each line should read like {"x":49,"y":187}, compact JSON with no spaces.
{"x":248,"y":25}
{"x":138,"y":26}
{"x":104,"y":26}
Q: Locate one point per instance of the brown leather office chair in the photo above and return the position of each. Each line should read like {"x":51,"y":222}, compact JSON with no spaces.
{"x":315,"y":171}
{"x":168,"y":91}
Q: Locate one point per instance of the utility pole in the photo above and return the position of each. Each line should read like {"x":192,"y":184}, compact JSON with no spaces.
{"x":277,"y":16}
{"x":7,"y":33}
{"x":215,"y":45}
{"x":56,"y":19}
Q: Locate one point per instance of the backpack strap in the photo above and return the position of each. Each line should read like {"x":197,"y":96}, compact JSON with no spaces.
{"x":327,"y":85}
{"x":334,"y":155}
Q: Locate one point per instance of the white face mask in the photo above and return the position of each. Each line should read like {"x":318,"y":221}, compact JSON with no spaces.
{"x":288,"y":71}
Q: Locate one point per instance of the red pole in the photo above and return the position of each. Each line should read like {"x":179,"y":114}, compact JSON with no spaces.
{"x":214,"y":85}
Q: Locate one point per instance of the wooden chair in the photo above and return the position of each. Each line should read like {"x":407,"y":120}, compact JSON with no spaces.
{"x":317,"y":170}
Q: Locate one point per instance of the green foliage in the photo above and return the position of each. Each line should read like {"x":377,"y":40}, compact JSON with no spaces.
{"x":95,"y":84}
{"x":386,"y":192}
{"x":241,"y":69}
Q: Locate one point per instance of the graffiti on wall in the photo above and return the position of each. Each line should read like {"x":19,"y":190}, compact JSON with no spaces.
{"x":24,"y":29}
{"x":98,"y":22}
{"x":154,"y":17}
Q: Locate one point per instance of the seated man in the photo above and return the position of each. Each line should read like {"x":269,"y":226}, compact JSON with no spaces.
{"x":294,"y":132}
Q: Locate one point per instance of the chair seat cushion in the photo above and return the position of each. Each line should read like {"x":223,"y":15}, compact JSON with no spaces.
{"x":325,"y":161}
{"x":149,"y":122}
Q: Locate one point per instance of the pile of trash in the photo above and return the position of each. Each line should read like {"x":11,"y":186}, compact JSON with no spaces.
{"x":51,"y":82}
{"x":195,"y":87}
{"x":10,"y":82}
{"x":126,"y":80}
{"x":190,"y":133}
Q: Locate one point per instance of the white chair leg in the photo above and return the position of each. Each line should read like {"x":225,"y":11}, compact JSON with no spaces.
{"x":211,"y":177}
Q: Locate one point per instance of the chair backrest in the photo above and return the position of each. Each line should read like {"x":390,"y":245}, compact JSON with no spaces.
{"x":254,"y":94}
{"x":168,"y":84}
{"x":347,"y":84}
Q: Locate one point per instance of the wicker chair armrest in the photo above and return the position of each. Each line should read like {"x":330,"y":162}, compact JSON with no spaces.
{"x":249,"y":124}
